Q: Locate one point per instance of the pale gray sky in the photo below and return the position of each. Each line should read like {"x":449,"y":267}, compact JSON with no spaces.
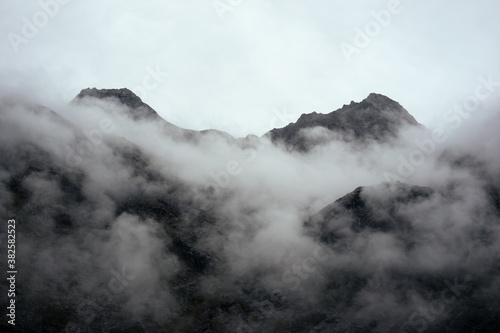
{"x":233,"y":68}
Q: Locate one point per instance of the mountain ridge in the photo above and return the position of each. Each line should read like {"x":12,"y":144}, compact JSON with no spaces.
{"x":377,"y":117}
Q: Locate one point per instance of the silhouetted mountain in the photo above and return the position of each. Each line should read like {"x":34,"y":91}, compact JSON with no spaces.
{"x":377,"y":118}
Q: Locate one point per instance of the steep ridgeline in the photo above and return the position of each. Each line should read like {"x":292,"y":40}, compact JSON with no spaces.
{"x":377,"y":118}
{"x":136,"y":109}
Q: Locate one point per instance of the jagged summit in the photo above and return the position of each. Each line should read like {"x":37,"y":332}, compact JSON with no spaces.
{"x":384,"y":103}
{"x":377,"y":117}
{"x":125,"y":96}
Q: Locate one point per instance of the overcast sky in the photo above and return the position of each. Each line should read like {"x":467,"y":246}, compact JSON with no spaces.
{"x":233,"y":65}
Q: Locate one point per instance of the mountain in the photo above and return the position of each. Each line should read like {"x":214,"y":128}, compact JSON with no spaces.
{"x":117,"y":233}
{"x":376,"y":118}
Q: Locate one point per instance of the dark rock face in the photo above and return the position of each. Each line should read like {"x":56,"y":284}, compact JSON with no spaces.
{"x":375,"y":118}
{"x":137,"y":108}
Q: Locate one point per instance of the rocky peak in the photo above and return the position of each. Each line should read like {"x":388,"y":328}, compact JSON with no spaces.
{"x":137,"y":108}
{"x":385,"y":104}
{"x":377,"y":117}
{"x":375,"y":98}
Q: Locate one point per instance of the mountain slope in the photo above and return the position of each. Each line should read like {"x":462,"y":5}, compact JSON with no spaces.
{"x":384,"y":238}
{"x":365,"y":212}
